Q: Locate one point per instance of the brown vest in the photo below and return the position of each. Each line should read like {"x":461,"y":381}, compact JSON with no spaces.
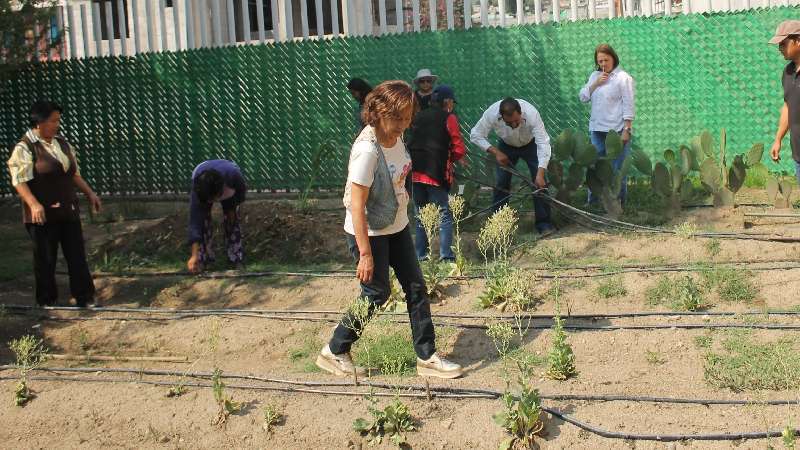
{"x":51,"y":185}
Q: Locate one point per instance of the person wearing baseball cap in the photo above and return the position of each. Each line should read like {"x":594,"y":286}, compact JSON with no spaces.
{"x":425,"y":81}
{"x":787,"y":36}
{"x":435,"y":145}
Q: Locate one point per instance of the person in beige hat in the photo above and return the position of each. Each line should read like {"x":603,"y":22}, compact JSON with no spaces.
{"x":787,"y":36}
{"x":425,"y":81}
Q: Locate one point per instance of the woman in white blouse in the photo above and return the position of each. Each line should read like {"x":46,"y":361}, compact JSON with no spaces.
{"x":611,"y":93}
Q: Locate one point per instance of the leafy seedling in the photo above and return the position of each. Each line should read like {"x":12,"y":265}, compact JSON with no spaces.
{"x":30,"y":354}
{"x":392,"y":421}
{"x":226,"y":404}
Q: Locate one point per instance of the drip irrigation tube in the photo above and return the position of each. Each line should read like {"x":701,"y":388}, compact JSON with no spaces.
{"x":383,"y":313}
{"x":333,"y":319}
{"x":348,"y":273}
{"x":488,"y":393}
{"x":541,"y":193}
{"x":461,"y":394}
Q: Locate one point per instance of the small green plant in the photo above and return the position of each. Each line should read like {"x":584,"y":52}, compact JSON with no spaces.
{"x":612,"y":287}
{"x":497,"y":235}
{"x":521,"y":417}
{"x":458,"y":206}
{"x":779,"y":192}
{"x":30,"y":354}
{"x":681,"y":293}
{"x":687,"y":296}
{"x":561,"y":359}
{"x":745,"y":364}
{"x":433,"y":270}
{"x":507,"y":288}
{"x":386,"y":347}
{"x":655,"y":358}
{"x":392,"y":421}
{"x":703,"y":341}
{"x":554,"y":257}
{"x":685,"y":230}
{"x":789,"y":437}
{"x":713,"y":247}
{"x":721,"y":181}
{"x":273,"y":416}
{"x":396,"y":301}
{"x":303,"y":354}
{"x":178,"y":389}
{"x":226,"y":404}
{"x":732,"y":285}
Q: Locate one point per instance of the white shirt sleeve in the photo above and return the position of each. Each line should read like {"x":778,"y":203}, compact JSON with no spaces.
{"x":543,"y":150}
{"x":20,"y":164}
{"x":480,"y":132}
{"x":628,"y":105}
{"x":586,"y":93}
{"x":363,"y":160}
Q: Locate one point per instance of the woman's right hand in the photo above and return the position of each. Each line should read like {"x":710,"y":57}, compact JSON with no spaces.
{"x":601,"y":80}
{"x":37,"y":213}
{"x":366,"y":266}
{"x":194,"y":265}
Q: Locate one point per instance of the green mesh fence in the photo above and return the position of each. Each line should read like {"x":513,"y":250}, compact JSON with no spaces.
{"x":142,"y":123}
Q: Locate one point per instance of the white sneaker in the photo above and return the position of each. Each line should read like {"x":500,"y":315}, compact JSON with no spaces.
{"x":438,"y":367}
{"x":339,"y":365}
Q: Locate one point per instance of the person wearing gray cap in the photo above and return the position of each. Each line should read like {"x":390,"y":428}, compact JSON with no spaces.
{"x":787,"y":36}
{"x":425,"y":81}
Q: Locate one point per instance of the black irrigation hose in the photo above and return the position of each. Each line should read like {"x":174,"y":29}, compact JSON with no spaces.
{"x":383,"y":313}
{"x":703,"y":326}
{"x":346,"y":273}
{"x":460,"y":395}
{"x":626,"y":226}
{"x":488,"y":393}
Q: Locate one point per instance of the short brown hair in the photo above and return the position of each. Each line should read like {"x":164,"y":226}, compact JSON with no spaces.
{"x":605,"y":48}
{"x":387,"y":101}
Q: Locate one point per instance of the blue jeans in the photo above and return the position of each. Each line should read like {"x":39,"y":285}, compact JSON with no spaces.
{"x":599,"y":142}
{"x":501,"y":195}
{"x":424,"y":194}
{"x":797,"y":171}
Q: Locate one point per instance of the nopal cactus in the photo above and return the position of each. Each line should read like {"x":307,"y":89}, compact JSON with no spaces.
{"x":604,"y":182}
{"x":721,"y":181}
{"x":779,"y":191}
{"x":573,"y":153}
{"x":668,"y":178}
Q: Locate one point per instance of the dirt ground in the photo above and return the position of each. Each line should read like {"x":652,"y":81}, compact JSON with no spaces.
{"x":130,"y":415}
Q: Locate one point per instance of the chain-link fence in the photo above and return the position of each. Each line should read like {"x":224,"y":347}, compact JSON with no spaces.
{"x":140,"y":124}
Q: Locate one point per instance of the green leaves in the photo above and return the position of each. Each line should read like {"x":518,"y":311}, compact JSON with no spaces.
{"x":520,"y":417}
{"x":392,"y":421}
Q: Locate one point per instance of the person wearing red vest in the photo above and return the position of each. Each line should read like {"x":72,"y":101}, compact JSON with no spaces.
{"x":44,"y":172}
{"x":435,"y":145}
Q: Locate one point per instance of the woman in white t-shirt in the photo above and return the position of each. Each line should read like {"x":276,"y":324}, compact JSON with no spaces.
{"x":377,"y":231}
{"x":610,"y":90}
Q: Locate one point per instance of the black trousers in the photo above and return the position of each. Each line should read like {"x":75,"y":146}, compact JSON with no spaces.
{"x":395,"y":250}
{"x":46,"y":239}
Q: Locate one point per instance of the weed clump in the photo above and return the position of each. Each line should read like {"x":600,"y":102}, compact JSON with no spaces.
{"x":748,"y":365}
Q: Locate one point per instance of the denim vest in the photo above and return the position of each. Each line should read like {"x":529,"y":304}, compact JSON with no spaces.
{"x":382,"y":202}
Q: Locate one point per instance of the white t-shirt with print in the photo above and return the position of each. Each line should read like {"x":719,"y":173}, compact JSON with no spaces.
{"x":361,"y":170}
